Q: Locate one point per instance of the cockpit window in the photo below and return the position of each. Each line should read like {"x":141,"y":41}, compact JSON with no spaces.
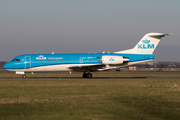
{"x":17,"y":60}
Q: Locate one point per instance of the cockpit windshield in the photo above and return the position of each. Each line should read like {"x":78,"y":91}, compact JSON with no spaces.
{"x":17,"y":60}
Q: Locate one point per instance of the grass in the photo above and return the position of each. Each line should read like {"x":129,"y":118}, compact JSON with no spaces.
{"x":89,"y":99}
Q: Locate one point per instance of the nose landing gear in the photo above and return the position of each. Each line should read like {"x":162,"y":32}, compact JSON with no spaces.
{"x":23,"y":76}
{"x":87,"y":75}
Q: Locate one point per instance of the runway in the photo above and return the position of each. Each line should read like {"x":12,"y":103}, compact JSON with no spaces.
{"x":94,"y":79}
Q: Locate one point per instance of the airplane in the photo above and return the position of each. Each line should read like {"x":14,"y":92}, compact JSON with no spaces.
{"x":87,"y":62}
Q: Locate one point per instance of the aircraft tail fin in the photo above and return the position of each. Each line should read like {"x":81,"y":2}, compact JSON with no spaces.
{"x":147,"y":44}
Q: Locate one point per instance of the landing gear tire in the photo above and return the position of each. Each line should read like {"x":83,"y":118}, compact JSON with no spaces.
{"x":87,"y":75}
{"x":23,"y":76}
{"x":84,"y":75}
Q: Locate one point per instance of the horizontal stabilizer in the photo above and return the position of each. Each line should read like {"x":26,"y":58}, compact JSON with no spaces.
{"x":160,"y":35}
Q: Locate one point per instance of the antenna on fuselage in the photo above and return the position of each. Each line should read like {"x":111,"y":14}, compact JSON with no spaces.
{"x":52,"y":52}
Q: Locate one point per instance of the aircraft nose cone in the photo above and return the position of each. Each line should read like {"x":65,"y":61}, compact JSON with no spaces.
{"x":6,"y":66}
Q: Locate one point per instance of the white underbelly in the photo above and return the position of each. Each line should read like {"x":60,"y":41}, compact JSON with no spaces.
{"x":44,"y":68}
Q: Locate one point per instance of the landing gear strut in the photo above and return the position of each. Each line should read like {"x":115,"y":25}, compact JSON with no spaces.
{"x":23,"y":76}
{"x":87,"y":75}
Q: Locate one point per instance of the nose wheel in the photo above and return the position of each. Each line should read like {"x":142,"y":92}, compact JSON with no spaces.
{"x":87,"y":75}
{"x":23,"y":76}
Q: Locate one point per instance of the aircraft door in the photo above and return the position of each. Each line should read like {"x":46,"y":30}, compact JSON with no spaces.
{"x":82,"y":59}
{"x":27,"y":62}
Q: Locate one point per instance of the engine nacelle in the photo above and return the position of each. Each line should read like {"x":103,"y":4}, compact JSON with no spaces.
{"x":114,"y":59}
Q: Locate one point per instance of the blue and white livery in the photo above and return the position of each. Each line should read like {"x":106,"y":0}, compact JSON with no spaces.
{"x":87,"y":62}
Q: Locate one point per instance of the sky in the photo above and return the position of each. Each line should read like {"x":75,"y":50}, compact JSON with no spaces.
{"x":81,"y":26}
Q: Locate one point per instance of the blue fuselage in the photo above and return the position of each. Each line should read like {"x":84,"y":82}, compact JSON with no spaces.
{"x":38,"y":60}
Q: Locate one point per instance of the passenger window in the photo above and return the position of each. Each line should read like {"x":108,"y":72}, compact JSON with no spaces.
{"x":51,"y":60}
{"x":36,"y":60}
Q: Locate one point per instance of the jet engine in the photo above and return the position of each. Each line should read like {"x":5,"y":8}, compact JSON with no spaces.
{"x":114,"y":59}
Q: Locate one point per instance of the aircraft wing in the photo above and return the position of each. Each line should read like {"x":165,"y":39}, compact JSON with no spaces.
{"x":86,"y":67}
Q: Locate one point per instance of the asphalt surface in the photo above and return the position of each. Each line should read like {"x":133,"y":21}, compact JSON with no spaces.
{"x":90,"y":78}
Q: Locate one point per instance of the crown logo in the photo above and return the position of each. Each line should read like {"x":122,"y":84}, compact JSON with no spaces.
{"x":146,"y":41}
{"x":111,"y":59}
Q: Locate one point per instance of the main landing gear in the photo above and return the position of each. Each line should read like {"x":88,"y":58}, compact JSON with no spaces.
{"x":87,"y":75}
